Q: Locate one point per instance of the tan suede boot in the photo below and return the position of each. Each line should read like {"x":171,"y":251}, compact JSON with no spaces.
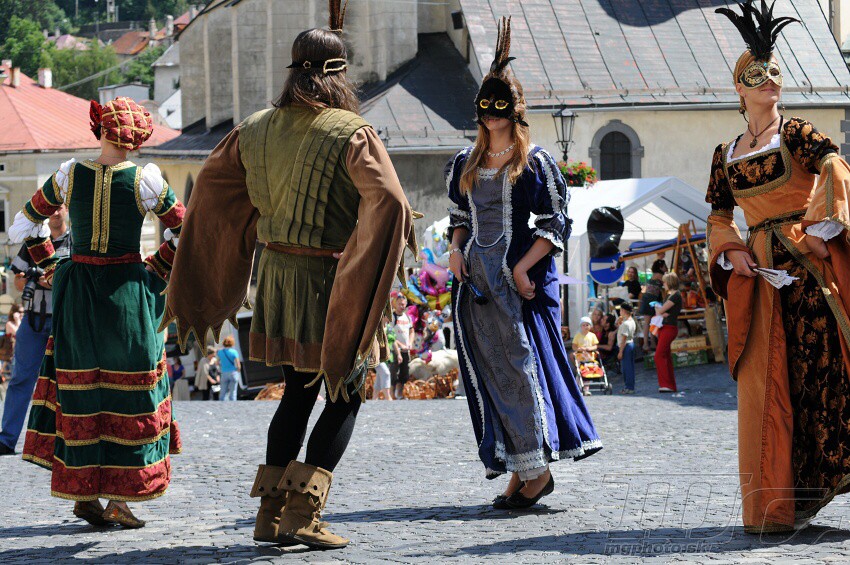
{"x":306,"y":489}
{"x":272,"y":498}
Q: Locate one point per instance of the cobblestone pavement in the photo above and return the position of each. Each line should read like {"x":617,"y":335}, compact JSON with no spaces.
{"x":411,"y":489}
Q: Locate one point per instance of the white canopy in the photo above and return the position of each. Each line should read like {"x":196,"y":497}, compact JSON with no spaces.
{"x":653,"y":210}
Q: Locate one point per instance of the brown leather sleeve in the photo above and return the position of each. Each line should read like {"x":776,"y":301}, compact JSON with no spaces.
{"x":369,"y":263}
{"x":212,"y":268}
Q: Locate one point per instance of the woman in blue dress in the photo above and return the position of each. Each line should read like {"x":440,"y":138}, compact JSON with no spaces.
{"x":526,"y":408}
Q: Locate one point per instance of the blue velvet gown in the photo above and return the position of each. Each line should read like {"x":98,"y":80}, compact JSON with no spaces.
{"x":526,"y":407}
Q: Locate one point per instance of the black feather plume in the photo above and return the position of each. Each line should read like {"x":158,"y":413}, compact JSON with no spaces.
{"x":336,"y":10}
{"x":758,"y":28}
{"x":503,"y":47}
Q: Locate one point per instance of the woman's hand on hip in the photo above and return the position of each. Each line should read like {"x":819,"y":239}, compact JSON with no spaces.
{"x":742,"y":263}
{"x":524,"y":285}
{"x":818,"y":246}
{"x":457,"y":265}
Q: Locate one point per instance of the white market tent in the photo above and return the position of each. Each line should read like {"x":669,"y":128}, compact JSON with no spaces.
{"x":653,"y":210}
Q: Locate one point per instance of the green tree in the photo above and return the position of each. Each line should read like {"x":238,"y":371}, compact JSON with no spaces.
{"x":44,"y":13}
{"x":71,"y":66}
{"x":24,"y":45}
{"x":139,"y":70}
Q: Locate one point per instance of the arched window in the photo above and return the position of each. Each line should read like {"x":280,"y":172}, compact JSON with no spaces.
{"x":615,"y":157}
{"x":616,"y":152}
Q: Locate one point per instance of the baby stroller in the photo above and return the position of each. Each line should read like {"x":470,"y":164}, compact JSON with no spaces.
{"x":591,"y":373}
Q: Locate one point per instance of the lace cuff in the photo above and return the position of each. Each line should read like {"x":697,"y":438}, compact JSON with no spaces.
{"x":724,"y":263}
{"x":825,"y":230}
{"x":552,"y":227}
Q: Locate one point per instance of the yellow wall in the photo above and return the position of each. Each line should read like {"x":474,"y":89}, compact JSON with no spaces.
{"x":676,"y":143}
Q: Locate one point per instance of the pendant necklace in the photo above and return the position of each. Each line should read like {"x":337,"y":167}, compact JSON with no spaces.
{"x":756,"y":135}
{"x":500,"y":153}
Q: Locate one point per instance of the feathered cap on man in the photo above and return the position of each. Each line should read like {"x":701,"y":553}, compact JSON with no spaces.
{"x":500,"y":95}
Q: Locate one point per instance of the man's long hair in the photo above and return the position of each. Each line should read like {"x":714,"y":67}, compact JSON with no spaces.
{"x":311,"y":87}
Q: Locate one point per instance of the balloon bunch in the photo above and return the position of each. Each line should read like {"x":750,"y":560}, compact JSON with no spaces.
{"x":431,"y":285}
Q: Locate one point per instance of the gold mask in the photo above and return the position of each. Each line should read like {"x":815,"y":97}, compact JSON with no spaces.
{"x":759,"y":72}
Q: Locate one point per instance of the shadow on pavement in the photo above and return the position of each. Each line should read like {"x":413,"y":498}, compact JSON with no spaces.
{"x":235,"y":554}
{"x":444,"y":513}
{"x":661,"y":541}
{"x":418,"y":514}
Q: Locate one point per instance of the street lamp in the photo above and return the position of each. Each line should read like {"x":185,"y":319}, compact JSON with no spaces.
{"x":565,"y":121}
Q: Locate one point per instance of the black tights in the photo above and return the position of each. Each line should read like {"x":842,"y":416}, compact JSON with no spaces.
{"x":330,"y":435}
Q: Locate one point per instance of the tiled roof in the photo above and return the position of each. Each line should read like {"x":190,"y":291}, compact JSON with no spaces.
{"x":615,"y":52}
{"x":413,"y":108}
{"x":170,"y":58}
{"x":46,"y":119}
{"x":131,"y":43}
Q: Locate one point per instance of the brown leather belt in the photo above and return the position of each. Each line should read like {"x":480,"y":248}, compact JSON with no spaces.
{"x":304,"y":251}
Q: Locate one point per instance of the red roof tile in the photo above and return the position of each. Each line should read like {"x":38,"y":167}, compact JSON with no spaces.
{"x":46,"y":119}
{"x":131,"y":43}
{"x":183,"y":20}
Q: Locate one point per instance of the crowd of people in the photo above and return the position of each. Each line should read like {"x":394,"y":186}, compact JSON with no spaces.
{"x":612,"y":338}
{"x":508,"y":223}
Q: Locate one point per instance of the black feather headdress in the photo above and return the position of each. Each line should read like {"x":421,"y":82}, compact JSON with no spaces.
{"x":758,"y":28}
{"x":499,"y":96}
{"x":337,"y":14}
{"x":503,"y":47}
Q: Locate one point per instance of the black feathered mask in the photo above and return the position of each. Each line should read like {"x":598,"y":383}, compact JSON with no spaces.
{"x":498,"y":97}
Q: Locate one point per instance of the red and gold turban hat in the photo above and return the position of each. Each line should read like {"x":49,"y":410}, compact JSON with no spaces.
{"x":122,"y":121}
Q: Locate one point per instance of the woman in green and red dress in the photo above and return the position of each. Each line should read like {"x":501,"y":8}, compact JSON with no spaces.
{"x":101,"y":416}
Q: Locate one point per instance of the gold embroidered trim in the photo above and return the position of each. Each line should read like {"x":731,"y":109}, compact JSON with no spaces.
{"x":70,"y":187}
{"x":56,"y":192}
{"x":45,"y":403}
{"x":161,"y":199}
{"x":106,"y":196}
{"x":158,"y":213}
{"x":843,"y":323}
{"x":136,"y":183}
{"x":30,"y":217}
{"x":94,"y":165}
{"x":110,"y":466}
{"x":97,"y":208}
{"x":110,"y":386}
{"x":772,"y":185}
{"x":107,"y":496}
{"x":37,"y":460}
{"x":107,"y":438}
{"x":139,"y":415}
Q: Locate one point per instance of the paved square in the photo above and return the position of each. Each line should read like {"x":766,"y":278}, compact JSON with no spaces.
{"x":410,"y":489}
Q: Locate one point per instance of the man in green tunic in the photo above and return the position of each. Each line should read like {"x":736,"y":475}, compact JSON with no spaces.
{"x":312,"y":180}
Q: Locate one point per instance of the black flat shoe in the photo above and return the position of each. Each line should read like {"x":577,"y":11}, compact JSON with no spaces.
{"x":501,"y":502}
{"x":6,"y":450}
{"x":518,"y":501}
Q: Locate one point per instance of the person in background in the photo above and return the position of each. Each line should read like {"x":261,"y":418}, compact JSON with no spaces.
{"x":383,"y":382}
{"x":625,"y":338}
{"x":7,"y":352}
{"x":207,"y":374}
{"x":32,"y":335}
{"x":584,"y":344}
{"x":608,"y":348}
{"x":632,"y":283}
{"x":179,"y":385}
{"x":403,"y":331}
{"x":652,"y":293}
{"x":231,"y":366}
{"x":668,"y":332}
{"x":597,"y":319}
